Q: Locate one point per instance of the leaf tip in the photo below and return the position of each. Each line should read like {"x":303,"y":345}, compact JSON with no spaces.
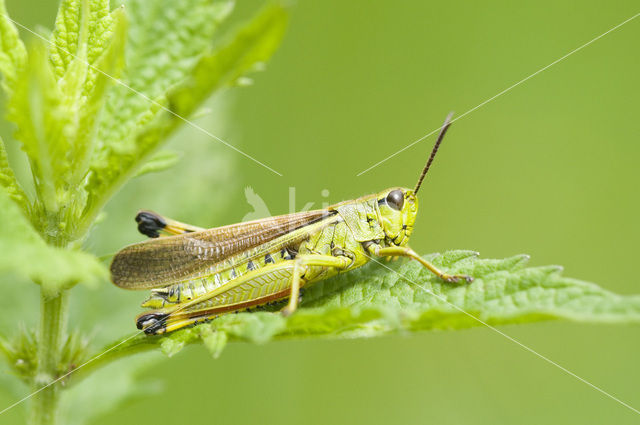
{"x":517,"y":261}
{"x":453,"y":257}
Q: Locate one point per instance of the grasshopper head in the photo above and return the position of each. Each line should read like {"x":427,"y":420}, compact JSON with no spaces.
{"x":398,"y":206}
{"x":397,"y":209}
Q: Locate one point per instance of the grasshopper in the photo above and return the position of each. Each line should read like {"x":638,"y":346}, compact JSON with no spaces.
{"x":197,"y":274}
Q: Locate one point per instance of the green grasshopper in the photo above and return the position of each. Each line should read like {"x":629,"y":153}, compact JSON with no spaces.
{"x":196,"y":274}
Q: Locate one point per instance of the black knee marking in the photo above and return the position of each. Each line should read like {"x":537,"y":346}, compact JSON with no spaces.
{"x":150,"y":223}
{"x":152,"y":323}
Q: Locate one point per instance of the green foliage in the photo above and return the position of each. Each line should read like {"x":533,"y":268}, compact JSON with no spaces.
{"x":400,"y":297}
{"x":180,"y":84}
{"x":80,"y":152}
{"x":9,"y":182}
{"x":55,"y":108}
{"x":13,"y":54}
{"x":246,"y":51}
{"x":81,"y":29}
{"x":13,"y":57}
{"x":91,"y":106}
{"x":159,"y":54}
{"x":91,"y":109}
{"x":22,"y":355}
{"x":25,"y":253}
{"x":159,"y":161}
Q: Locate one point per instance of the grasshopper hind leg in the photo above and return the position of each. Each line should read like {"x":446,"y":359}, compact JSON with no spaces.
{"x":150,"y":224}
{"x":174,"y":318}
{"x":161,"y":323}
{"x":154,"y":225}
{"x":152,"y":323}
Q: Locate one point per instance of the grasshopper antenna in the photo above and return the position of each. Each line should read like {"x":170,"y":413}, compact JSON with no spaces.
{"x":443,"y":130}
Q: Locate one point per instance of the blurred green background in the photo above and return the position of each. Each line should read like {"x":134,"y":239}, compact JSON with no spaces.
{"x":549,"y":169}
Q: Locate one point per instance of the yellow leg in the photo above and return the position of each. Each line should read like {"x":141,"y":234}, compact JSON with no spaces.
{"x":301,"y":264}
{"x":408,"y":252}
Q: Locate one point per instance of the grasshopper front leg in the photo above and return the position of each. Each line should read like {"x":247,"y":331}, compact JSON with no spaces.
{"x":301,"y":266}
{"x":401,"y":251}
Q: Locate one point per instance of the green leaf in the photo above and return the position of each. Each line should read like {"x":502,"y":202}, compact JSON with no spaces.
{"x":21,"y":353}
{"x":88,"y":100}
{"x":215,"y":342}
{"x":10,"y":183}
{"x":87,"y":55}
{"x":247,"y":51}
{"x":43,"y":126}
{"x":24,"y":253}
{"x":55,"y":109}
{"x":165,"y":40}
{"x":176,"y":85}
{"x":13,"y":54}
{"x":160,"y":161}
{"x":81,"y":29}
{"x":402,"y":296}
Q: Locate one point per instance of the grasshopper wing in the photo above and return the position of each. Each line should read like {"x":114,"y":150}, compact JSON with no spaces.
{"x":161,"y":262}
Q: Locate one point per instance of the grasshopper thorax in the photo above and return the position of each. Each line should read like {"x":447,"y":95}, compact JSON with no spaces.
{"x":397,"y":209}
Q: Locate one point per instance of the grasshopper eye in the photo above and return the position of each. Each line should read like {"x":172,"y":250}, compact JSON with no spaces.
{"x":395,"y":199}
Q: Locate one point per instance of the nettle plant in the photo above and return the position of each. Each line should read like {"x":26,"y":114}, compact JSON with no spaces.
{"x":91,"y":104}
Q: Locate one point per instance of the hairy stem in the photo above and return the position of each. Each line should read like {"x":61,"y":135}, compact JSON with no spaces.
{"x":53,"y":320}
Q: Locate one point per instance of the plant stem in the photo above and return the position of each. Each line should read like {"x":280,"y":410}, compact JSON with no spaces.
{"x":53,"y":310}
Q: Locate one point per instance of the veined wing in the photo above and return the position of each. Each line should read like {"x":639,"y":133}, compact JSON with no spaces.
{"x":160,"y":262}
